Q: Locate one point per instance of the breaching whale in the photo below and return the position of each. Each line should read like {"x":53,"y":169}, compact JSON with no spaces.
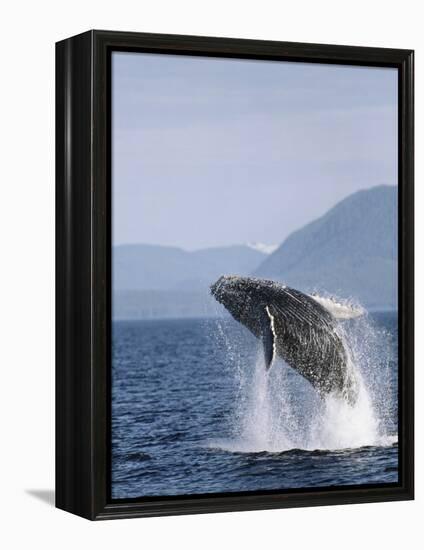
{"x":302,"y":329}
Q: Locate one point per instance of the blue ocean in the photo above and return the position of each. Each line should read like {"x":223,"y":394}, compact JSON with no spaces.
{"x":194,"y":411}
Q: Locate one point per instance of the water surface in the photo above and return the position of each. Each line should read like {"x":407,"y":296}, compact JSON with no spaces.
{"x":194,"y":412}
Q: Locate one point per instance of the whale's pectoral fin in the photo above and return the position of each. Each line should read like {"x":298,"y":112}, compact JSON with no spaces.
{"x":268,"y":337}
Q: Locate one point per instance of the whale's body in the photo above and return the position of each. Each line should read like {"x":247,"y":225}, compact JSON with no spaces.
{"x":293,"y":325}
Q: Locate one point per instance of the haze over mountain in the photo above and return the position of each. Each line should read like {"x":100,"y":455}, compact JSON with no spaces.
{"x":350,"y":252}
{"x":153,"y":267}
{"x":151,"y":281}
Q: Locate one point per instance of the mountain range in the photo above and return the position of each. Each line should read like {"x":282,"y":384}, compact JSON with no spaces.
{"x":153,"y":267}
{"x":350,"y":252}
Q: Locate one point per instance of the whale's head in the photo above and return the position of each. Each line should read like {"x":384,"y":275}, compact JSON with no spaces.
{"x":244,"y":297}
{"x":231,"y":291}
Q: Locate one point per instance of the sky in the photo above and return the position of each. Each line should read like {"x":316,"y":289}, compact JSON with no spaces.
{"x":213,"y":152}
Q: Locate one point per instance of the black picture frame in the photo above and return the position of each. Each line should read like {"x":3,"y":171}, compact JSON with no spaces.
{"x":83,"y":250}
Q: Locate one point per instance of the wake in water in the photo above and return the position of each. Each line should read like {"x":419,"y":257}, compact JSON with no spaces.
{"x":278,"y":410}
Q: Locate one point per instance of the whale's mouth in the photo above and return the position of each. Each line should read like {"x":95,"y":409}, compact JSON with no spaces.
{"x":224,"y":288}
{"x":215,"y":288}
{"x":231,"y":292}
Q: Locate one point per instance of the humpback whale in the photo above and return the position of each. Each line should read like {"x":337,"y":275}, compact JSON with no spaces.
{"x":302,"y":329}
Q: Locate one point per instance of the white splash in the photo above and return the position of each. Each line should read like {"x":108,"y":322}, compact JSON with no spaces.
{"x":339,"y":309}
{"x":277,"y":410}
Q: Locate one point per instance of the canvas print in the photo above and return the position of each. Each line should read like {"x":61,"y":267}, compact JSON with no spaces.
{"x":254,"y":276}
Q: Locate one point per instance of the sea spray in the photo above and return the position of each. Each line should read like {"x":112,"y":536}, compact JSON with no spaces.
{"x":339,"y":425}
{"x":278,"y":410}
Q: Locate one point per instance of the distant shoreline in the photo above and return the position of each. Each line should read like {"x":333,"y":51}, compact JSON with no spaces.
{"x":217,"y":317}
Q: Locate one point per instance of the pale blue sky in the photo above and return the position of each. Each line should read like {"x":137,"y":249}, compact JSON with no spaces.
{"x":210,"y":152}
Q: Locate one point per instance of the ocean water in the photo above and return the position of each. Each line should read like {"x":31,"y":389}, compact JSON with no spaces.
{"x":194,"y":411}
